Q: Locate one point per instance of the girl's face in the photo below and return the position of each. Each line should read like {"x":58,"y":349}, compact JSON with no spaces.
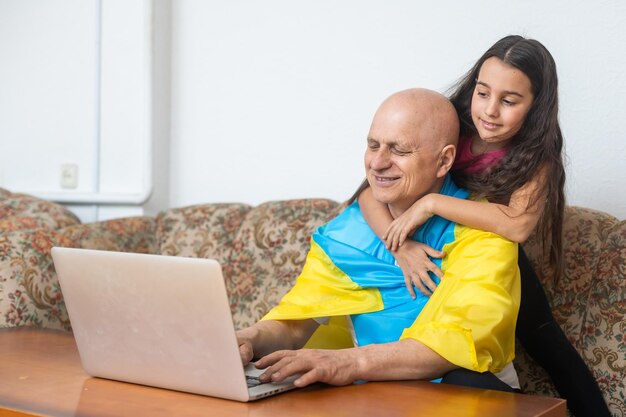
{"x":502,"y":98}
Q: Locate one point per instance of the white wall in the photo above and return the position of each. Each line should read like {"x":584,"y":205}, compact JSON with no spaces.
{"x":251,"y":101}
{"x":47,"y":92}
{"x":75,"y":88}
{"x":273,"y":99}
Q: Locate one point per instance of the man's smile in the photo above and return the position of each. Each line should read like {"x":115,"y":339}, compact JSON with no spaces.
{"x":385,"y":180}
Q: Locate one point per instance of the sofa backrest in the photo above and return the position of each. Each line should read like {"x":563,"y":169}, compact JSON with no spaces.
{"x":200,"y":231}
{"x":261,"y":249}
{"x":268,"y":253}
{"x":25,"y":212}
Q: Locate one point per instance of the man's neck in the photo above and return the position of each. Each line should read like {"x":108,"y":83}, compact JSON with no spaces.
{"x":398,"y":208}
{"x":396,"y":211}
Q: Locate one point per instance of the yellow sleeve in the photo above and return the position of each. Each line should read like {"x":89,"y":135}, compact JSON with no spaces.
{"x":470,"y":318}
{"x":323,"y":290}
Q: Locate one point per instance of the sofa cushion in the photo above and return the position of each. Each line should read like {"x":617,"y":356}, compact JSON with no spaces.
{"x":25,"y":212}
{"x":268,"y":253}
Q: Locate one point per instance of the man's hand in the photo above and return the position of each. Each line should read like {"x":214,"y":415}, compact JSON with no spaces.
{"x":271,"y":335}
{"x":246,"y":350}
{"x":405,"y":359}
{"x":335,"y":367}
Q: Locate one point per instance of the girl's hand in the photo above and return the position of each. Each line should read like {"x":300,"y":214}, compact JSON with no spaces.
{"x":405,"y":225}
{"x":413,"y":259}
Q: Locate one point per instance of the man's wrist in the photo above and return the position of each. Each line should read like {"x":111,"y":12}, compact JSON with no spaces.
{"x":362,"y":362}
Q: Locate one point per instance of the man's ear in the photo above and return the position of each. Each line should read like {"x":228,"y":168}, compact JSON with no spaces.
{"x":446,"y":159}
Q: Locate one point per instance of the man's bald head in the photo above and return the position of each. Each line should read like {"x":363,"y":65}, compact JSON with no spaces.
{"x":411,"y":147}
{"x":431,"y":114}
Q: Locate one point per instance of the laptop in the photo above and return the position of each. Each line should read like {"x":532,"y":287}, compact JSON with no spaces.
{"x":156,"y":320}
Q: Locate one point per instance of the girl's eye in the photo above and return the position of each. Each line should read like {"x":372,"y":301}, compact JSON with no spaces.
{"x":481,"y":94}
{"x":508,"y":102}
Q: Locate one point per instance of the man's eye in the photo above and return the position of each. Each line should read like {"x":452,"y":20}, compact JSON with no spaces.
{"x":399,"y":152}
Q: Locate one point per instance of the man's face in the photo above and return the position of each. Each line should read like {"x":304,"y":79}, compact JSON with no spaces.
{"x":400,"y":161}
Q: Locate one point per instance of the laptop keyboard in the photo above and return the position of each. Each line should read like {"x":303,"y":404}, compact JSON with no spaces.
{"x":253,"y":381}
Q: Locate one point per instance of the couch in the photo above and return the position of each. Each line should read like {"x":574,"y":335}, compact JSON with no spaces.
{"x":262,"y":249}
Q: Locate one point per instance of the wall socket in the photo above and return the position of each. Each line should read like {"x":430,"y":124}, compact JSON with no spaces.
{"x":69,"y":176}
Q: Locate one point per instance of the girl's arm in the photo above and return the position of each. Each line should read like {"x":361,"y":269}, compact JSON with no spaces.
{"x":515,"y":221}
{"x":412,"y":257}
{"x":376,"y":214}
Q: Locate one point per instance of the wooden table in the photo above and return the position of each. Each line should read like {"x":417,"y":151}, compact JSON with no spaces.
{"x":41,"y":375}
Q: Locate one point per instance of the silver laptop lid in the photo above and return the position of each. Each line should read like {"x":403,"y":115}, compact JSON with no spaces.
{"x":154,"y":320}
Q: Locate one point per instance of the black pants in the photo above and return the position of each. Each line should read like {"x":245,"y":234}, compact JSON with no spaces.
{"x":546,"y":343}
{"x":469,"y":378}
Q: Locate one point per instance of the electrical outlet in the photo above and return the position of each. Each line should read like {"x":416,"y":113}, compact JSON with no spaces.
{"x":69,"y":176}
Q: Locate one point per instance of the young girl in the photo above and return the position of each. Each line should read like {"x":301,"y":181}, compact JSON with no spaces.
{"x":510,"y":157}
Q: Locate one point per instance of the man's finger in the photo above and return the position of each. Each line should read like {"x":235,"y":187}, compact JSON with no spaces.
{"x":292,"y":366}
{"x":272,"y":358}
{"x":275,"y":372}
{"x":306,"y":379}
{"x":245,"y":351}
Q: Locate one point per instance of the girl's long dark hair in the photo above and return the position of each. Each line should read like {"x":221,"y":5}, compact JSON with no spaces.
{"x":538,"y":146}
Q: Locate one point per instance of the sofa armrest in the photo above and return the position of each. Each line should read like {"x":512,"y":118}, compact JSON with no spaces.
{"x":588,"y":301}
{"x":29,"y":290}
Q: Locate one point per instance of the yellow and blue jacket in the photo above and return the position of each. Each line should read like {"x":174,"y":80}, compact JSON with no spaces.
{"x":469,"y":319}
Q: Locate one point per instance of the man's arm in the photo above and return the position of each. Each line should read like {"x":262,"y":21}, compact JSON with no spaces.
{"x":406,"y":359}
{"x":470,"y":319}
{"x":268,"y":336}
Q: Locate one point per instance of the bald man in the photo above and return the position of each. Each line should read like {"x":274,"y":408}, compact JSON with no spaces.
{"x":351,"y":284}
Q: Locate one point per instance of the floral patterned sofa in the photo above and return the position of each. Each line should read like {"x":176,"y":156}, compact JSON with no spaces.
{"x":262,"y":249}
